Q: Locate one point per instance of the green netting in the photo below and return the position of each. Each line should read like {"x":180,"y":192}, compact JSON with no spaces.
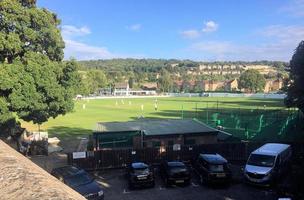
{"x":245,"y":124}
{"x":255,"y":124}
{"x":115,"y":139}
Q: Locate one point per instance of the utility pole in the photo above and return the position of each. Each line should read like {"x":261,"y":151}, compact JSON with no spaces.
{"x":207,"y":113}
{"x":182,"y":111}
{"x":39,"y":129}
{"x":196,"y":110}
{"x":142,"y":138}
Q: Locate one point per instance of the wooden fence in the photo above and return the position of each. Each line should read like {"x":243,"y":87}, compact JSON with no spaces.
{"x":118,"y":158}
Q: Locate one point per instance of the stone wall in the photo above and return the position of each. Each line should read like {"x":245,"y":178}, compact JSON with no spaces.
{"x":20,"y":179}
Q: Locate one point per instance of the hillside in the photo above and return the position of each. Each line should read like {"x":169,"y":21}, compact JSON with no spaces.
{"x":155,"y":65}
{"x":140,"y":71}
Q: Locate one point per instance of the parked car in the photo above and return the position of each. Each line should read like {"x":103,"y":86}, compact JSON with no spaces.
{"x":267,"y":164}
{"x":204,"y":94}
{"x":175,"y":172}
{"x":80,"y":181}
{"x":140,"y":174}
{"x":212,"y":168}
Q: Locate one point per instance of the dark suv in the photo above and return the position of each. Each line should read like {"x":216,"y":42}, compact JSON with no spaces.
{"x":212,"y":168}
{"x":175,"y":172}
{"x":80,"y":181}
{"x":140,"y":174}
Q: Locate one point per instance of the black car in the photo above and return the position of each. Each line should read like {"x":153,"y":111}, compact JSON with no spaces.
{"x":140,"y":174}
{"x":80,"y":181}
{"x":212,"y":168}
{"x":175,"y":172}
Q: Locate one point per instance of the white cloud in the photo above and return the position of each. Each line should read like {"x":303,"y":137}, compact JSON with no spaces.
{"x":69,"y":31}
{"x":190,"y":34}
{"x":75,"y":47}
{"x":134,"y":27}
{"x":223,"y":50}
{"x":82,"y":51}
{"x":79,"y":50}
{"x":294,"y":8}
{"x":284,"y":33}
{"x":282,"y":40}
{"x":210,"y":26}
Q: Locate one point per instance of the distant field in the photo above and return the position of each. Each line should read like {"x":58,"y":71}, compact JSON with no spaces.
{"x":82,"y":121}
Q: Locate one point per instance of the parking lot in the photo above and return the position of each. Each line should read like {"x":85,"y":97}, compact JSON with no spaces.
{"x":116,"y":187}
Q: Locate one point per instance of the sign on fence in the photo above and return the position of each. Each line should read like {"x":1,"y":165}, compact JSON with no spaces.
{"x":176,"y":147}
{"x":77,"y":155}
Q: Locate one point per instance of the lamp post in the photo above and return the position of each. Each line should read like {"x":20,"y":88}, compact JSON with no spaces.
{"x":264,"y":114}
{"x":142,"y":132}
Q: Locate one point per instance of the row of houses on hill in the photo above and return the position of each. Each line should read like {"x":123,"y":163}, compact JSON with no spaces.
{"x":207,"y":85}
{"x":273,"y":85}
{"x":205,"y":69}
{"x":230,"y":85}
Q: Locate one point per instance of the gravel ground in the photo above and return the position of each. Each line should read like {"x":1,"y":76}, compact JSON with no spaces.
{"x":115,"y":185}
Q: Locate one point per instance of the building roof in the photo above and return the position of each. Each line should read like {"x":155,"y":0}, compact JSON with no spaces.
{"x":122,"y":85}
{"x":150,"y":85}
{"x":211,"y":82}
{"x":157,"y":127}
{"x":222,"y":136}
{"x":271,"y":149}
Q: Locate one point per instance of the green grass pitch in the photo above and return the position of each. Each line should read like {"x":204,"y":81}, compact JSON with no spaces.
{"x":83,"y":119}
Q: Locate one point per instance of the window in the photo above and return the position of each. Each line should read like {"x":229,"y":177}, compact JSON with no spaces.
{"x":216,"y":168}
{"x":261,"y":160}
{"x":189,"y":141}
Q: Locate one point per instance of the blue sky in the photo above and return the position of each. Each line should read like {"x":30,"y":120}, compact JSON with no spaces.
{"x":182,"y":29}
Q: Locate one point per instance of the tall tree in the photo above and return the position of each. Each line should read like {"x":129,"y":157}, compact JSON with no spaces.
{"x":251,"y":80}
{"x":131,"y":82}
{"x":295,"y":84}
{"x":165,"y":82}
{"x":94,"y":80}
{"x":34,"y":82}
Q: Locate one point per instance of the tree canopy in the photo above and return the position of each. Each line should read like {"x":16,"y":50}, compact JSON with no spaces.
{"x":34,"y":81}
{"x":139,"y":71}
{"x":165,"y":81}
{"x":93,"y":80}
{"x":251,"y":80}
{"x":295,"y":84}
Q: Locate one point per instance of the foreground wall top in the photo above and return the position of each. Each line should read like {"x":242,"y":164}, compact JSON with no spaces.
{"x":20,"y":178}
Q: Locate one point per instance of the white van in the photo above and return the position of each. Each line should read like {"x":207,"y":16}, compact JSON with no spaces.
{"x":267,"y":163}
